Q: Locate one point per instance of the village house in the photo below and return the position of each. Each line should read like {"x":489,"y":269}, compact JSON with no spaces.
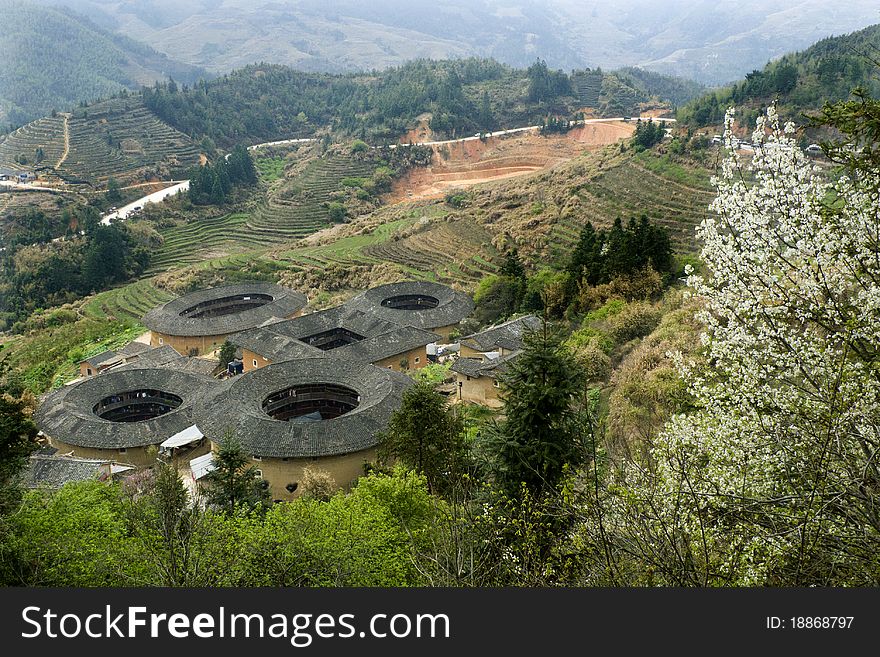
{"x":484,"y":356}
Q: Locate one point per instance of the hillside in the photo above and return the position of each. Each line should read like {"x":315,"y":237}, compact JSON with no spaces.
{"x":707,"y":40}
{"x":117,"y":138}
{"x":54,"y":59}
{"x":801,"y":81}
{"x":456,"y":241}
{"x":152,"y":133}
{"x":461,"y":97}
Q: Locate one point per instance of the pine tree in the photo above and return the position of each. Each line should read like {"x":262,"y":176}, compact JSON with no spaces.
{"x":17,"y":440}
{"x":585,"y":260}
{"x":233,"y":482}
{"x":539,"y":435}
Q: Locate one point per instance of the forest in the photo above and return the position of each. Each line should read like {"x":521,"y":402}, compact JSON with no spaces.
{"x":264,"y":102}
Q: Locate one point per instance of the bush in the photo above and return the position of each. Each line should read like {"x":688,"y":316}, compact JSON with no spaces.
{"x":594,"y":361}
{"x":457,"y":199}
{"x":641,"y":285}
{"x":318,"y":484}
{"x":636,"y":321}
{"x":336,"y":212}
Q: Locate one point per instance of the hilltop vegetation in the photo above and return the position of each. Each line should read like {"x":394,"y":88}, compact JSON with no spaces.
{"x":54,"y":59}
{"x":267,"y":102}
{"x":800,"y":82}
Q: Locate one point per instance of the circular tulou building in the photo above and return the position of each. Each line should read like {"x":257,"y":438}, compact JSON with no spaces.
{"x":289,"y":415}
{"x":119,"y":415}
{"x":199,"y":322}
{"x":430,"y":306}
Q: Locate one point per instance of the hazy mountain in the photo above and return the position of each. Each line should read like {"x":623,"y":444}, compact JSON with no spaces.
{"x":799,"y":82}
{"x":53,"y":59}
{"x":711,"y":41}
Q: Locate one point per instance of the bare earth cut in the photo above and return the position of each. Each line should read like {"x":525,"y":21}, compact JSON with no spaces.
{"x":467,"y":163}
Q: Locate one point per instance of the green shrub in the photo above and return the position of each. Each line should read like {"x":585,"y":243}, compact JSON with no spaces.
{"x":635,"y":321}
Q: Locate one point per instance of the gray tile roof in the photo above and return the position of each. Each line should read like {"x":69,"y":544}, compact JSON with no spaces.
{"x":381,"y":339}
{"x":55,"y":471}
{"x":508,"y":335}
{"x":67,"y":414}
{"x":272,"y":345}
{"x":100,"y":358}
{"x":134,"y":348}
{"x":169,"y":320}
{"x":394,"y":342}
{"x":236,"y":408}
{"x":475,"y":368}
{"x":452,"y":307}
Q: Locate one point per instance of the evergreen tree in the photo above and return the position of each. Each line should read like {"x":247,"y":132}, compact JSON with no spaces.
{"x":227,"y":353}
{"x":539,"y":435}
{"x":172,"y":530}
{"x":485,"y":115}
{"x":513,"y":267}
{"x":113,"y":194}
{"x":585,"y":260}
{"x":233,"y":482}
{"x":17,"y":440}
{"x":425,"y":435}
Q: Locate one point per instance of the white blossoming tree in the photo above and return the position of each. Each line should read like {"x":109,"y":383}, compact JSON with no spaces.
{"x":774,"y":479}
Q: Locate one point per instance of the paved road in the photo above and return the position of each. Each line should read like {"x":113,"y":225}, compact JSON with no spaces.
{"x":282,"y":142}
{"x":180,"y":185}
{"x":155,"y":197}
{"x":28,"y":187}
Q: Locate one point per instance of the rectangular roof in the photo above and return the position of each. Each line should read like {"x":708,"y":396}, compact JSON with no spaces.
{"x":381,"y":339}
{"x":189,"y":435}
{"x":508,"y":335}
{"x":475,"y":368}
{"x":202,"y":465}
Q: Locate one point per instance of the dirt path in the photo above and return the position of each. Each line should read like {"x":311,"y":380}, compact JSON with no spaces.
{"x":66,"y":144}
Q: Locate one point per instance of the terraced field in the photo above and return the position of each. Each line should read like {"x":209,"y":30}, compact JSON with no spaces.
{"x":631,"y":189}
{"x":123,"y":139}
{"x":295,"y":207}
{"x":587,"y":87}
{"x":127,"y":302}
{"x":451,"y":251}
{"x":292,"y":208}
{"x":201,"y":239}
{"x":46,"y":134}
